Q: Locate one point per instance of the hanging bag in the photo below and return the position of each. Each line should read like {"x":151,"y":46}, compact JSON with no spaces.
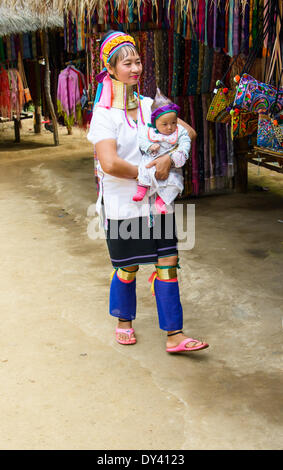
{"x":217,"y":111}
{"x":270,"y":127}
{"x":223,"y":101}
{"x":270,"y":135}
{"x":258,"y":97}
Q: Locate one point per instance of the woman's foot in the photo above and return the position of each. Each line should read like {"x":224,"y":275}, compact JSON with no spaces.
{"x":177,"y":340}
{"x":125,"y":338}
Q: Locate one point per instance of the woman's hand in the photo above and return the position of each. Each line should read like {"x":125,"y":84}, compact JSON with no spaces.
{"x":162,"y":166}
{"x":192,"y":133}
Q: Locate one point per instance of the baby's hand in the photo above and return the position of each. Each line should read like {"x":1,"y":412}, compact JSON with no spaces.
{"x":154,"y":148}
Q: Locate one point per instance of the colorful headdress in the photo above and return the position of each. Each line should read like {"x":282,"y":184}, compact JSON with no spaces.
{"x":162,"y":105}
{"x":104,"y":93}
{"x":112,"y":43}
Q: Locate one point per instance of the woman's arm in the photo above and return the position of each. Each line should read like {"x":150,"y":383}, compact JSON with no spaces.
{"x":192,"y":133}
{"x":111,"y":164}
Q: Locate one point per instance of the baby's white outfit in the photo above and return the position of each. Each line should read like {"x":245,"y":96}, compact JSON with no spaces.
{"x":178,"y":145}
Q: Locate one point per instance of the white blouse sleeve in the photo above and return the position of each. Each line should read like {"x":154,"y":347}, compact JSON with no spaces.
{"x":102,"y":126}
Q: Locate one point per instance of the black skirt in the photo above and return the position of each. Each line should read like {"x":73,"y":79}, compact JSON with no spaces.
{"x":132,"y":242}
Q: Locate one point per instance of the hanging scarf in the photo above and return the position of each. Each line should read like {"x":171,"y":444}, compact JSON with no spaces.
{"x":170,"y":60}
{"x":200,"y":67}
{"x":207,"y":69}
{"x":193,"y":77}
{"x":210,"y":22}
{"x":149,"y":81}
{"x":195,"y":182}
{"x":187,"y":66}
{"x":236,"y":25}
{"x":230,"y":32}
{"x":220,"y":25}
{"x":201,"y":20}
{"x":205,"y":26}
{"x":251,"y":23}
{"x":205,"y":144}
{"x":200,"y":141}
{"x":5,"y":102}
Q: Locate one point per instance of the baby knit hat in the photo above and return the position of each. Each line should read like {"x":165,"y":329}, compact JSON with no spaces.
{"x":162,"y":105}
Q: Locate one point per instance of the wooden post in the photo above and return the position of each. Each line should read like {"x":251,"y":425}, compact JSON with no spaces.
{"x":241,"y":165}
{"x":17,"y":125}
{"x":47,"y":89}
{"x":37,"y":119}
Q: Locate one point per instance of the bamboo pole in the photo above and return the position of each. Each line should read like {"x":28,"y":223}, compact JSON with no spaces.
{"x":47,"y":89}
{"x":37,"y":119}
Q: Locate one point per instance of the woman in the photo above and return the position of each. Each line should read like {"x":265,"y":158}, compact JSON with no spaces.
{"x":117,"y":116}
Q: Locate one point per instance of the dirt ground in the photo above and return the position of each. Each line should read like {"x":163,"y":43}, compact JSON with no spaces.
{"x":67,"y":384}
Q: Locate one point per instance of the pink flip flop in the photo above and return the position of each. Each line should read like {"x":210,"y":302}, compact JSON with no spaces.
{"x":126,"y":331}
{"x":182,"y":346}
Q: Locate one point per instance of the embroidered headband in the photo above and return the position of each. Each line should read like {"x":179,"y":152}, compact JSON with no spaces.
{"x":168,"y":108}
{"x":112,"y":43}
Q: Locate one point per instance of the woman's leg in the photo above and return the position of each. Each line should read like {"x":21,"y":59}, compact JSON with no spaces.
{"x":169,"y":305}
{"x":123,"y":300}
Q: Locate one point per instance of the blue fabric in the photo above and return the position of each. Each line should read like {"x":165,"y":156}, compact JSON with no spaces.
{"x":123,"y":303}
{"x":169,"y":308}
{"x":98,"y":93}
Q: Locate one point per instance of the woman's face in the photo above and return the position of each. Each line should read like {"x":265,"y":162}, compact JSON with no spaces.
{"x":128,"y":69}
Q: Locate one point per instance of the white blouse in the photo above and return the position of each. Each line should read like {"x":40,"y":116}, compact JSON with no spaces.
{"x":118,"y":192}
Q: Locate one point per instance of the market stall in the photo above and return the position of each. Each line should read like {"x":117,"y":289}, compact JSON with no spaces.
{"x":26,"y":39}
{"x":192,"y":50}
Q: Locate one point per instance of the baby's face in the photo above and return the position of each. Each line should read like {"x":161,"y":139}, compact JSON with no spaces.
{"x":167,"y":123}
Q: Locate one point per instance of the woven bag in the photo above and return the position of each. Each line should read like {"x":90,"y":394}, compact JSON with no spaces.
{"x":217,"y":111}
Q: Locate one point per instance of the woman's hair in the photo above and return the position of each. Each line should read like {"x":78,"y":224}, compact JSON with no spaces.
{"x":121,"y":53}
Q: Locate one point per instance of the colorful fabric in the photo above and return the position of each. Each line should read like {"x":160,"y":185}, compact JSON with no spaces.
{"x":5,"y":102}
{"x":68,"y":96}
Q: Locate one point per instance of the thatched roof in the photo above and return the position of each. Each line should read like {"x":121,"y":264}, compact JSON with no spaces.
{"x":19,"y":19}
{"x":79,"y":6}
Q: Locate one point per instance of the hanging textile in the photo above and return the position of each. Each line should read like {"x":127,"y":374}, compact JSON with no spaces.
{"x":70,"y":87}
{"x":5,"y":99}
{"x":12,"y":97}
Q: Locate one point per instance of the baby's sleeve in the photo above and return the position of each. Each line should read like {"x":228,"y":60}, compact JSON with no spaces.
{"x":102,"y":126}
{"x":181,"y":155}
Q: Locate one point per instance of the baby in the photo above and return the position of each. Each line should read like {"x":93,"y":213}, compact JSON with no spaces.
{"x":162,"y":136}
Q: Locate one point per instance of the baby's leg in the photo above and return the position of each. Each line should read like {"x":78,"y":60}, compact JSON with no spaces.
{"x":160,"y":206}
{"x":141,"y":192}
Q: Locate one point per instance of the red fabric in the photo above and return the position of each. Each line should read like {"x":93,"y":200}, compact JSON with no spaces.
{"x":80,"y":80}
{"x":5,"y":102}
